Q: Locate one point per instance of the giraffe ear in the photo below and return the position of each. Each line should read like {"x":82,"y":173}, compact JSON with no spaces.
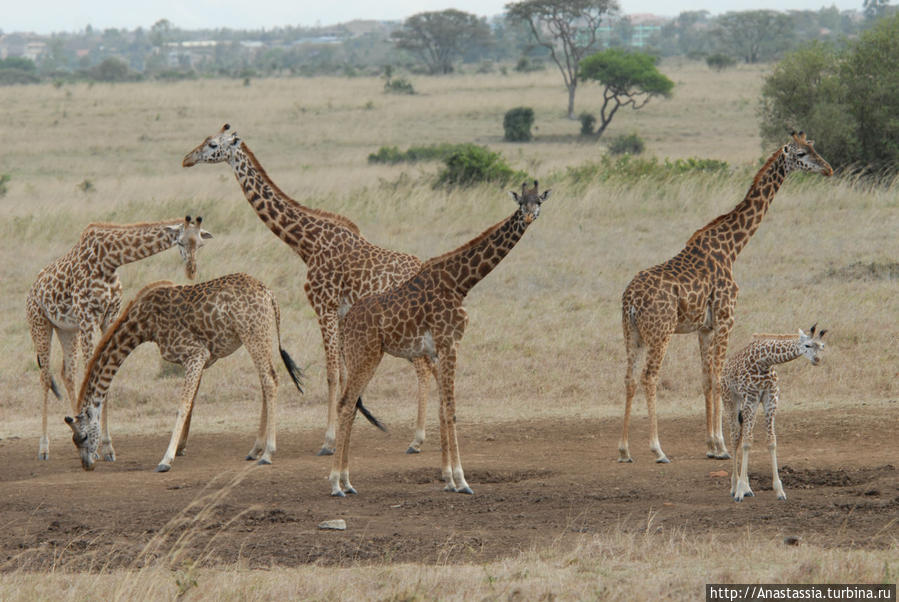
{"x":205,"y":235}
{"x":822,"y":333}
{"x":515,"y":196}
{"x":545,"y":194}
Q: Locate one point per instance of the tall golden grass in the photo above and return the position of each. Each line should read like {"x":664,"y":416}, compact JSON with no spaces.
{"x":545,"y":325}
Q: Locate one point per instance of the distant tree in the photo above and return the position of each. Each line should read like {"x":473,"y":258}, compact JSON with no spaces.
{"x":439,"y":38}
{"x":629,"y":79}
{"x":568,"y":29}
{"x":754,"y":35}
{"x":874,"y":9}
{"x":18,"y":62}
{"x":719,"y":61}
{"x":112,"y":69}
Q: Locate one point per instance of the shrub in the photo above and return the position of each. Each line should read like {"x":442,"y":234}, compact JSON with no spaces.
{"x":12,"y":75}
{"x":112,"y":69}
{"x":719,"y":61}
{"x":588,"y":122}
{"x":473,"y":164}
{"x":629,"y":168}
{"x":517,"y":124}
{"x":398,"y":86}
{"x":630,"y":144}
{"x":4,"y":178}
{"x":433,"y":152}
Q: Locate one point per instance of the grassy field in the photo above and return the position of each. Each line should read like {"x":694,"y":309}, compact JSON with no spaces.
{"x":545,"y":325}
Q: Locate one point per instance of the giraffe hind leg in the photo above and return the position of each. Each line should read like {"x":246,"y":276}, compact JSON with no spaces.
{"x":635,"y":351}
{"x":422,"y":372}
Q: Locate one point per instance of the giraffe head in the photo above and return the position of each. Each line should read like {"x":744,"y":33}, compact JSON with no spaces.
{"x":189,"y":237}
{"x":801,"y":156}
{"x":215,"y":149}
{"x":86,"y":434}
{"x":529,"y":201}
{"x":811,"y":344}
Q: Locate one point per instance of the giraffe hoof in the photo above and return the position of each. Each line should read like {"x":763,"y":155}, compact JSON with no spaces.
{"x":163,"y":468}
{"x":325,"y":451}
{"x":43,"y":456}
{"x":627,"y":460}
{"x":466,"y":490}
{"x":663,"y":460}
{"x":413,"y":450}
{"x":723,"y":456}
{"x":264,"y":462}
{"x":249,"y":458}
{"x":109,"y":457}
{"x":782,"y":497}
{"x":338,"y":493}
{"x":350,"y":491}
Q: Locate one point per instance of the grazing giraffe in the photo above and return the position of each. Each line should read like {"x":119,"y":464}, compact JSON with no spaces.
{"x":423,"y":318}
{"x":748,"y":380}
{"x":342,"y":266}
{"x":194,"y":326}
{"x":695,"y":291}
{"x":81,"y":290}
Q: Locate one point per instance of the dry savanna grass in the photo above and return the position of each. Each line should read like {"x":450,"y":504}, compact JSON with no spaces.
{"x":545,"y":325}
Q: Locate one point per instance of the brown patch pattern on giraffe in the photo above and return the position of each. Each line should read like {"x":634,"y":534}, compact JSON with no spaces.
{"x":695,"y":291}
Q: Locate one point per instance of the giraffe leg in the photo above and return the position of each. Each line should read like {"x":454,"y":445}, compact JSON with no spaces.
{"x":732,"y":403}
{"x":635,"y":351}
{"x":708,"y":389}
{"x":193,"y":369}
{"x":423,"y":373}
{"x":447,"y":372}
{"x":330,"y":334}
{"x":650,"y":382}
{"x":743,"y":489}
{"x":106,"y":448}
{"x":68,"y":339}
{"x":718,"y":354}
{"x":41,"y":336}
{"x":770,"y":410}
{"x":264,"y":446}
{"x":362,"y":361}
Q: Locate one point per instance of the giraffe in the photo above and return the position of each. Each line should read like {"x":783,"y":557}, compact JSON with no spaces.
{"x":695,"y":291}
{"x":342,"y":266}
{"x":81,"y":290}
{"x":424,"y":317}
{"x":748,"y":380}
{"x":193,"y":325}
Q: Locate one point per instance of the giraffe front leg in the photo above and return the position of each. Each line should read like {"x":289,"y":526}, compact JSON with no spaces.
{"x":719,"y":353}
{"x":770,"y":409}
{"x":106,"y":448}
{"x":264,"y":446}
{"x":330,"y":335}
{"x":193,"y":369}
{"x":743,"y":489}
{"x":423,"y":370}
{"x":456,"y":481}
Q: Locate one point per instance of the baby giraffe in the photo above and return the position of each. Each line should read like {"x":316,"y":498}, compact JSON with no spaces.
{"x":749,"y":379}
{"x":193,"y":326}
{"x":423,"y":317}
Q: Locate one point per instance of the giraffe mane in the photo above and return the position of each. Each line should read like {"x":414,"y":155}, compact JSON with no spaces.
{"x":474,"y":241}
{"x":755,"y":182}
{"x":104,"y":340}
{"x":777,"y":337}
{"x":335,"y":218}
{"x":115,"y":226}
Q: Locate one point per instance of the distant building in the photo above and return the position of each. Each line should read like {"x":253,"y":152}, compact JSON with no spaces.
{"x":26,"y":45}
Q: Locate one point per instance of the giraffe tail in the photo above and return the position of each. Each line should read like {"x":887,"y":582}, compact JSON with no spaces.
{"x":53,"y":386}
{"x":296,"y":373}
{"x":368,"y":415}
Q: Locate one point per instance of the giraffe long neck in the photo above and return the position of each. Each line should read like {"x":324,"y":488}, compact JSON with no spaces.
{"x":728,"y":234}
{"x":466,"y":266}
{"x":300,"y":227}
{"x":778,"y":350}
{"x":116,"y":345}
{"x":114,"y":245}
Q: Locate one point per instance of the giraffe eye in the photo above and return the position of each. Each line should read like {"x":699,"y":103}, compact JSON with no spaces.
{"x":800,"y":154}
{"x":213,"y":145}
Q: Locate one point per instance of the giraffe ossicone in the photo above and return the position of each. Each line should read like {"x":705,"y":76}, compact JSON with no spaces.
{"x":194,"y":326}
{"x":695,"y":291}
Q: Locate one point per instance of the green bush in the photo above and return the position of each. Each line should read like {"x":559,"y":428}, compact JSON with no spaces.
{"x":472,"y":164}
{"x":630,"y":168}
{"x":4,"y":178}
{"x":12,"y":75}
{"x":588,"y":122}
{"x":630,"y":144}
{"x":517,"y":124}
{"x":719,"y":61}
{"x":433,"y":152}
{"x":398,"y":86}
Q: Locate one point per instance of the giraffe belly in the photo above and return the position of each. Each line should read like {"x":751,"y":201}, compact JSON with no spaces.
{"x":413,"y":347}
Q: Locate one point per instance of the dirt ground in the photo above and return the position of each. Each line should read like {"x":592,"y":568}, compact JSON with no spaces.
{"x":535,"y":483}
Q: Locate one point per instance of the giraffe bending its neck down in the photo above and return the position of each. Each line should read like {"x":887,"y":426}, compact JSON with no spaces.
{"x":342,"y":267}
{"x":749,"y":380}
{"x":193,"y":326}
{"x":423,"y":318}
{"x":695,"y":291}
{"x":81,"y":291}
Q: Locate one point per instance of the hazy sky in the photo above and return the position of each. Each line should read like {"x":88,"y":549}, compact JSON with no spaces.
{"x":46,"y":16}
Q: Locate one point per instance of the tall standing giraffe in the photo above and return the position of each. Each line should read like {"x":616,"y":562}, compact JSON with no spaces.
{"x":695,"y":291}
{"x":193,"y":326}
{"x":423,"y":318}
{"x":342,"y":266}
{"x":749,"y":379}
{"x":81,"y":291}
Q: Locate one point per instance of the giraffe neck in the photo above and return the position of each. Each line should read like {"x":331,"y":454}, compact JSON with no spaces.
{"x":467,"y":265}
{"x":777,"y":350}
{"x":116,"y":345}
{"x":115,"y":245}
{"x":302,"y":228}
{"x":728,"y":234}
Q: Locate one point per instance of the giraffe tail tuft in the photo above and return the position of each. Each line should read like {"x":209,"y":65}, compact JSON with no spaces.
{"x":740,"y":416}
{"x":53,"y":386}
{"x":368,"y":415}
{"x":296,"y":373}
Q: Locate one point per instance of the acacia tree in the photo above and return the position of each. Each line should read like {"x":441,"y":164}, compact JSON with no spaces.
{"x":569,"y":29}
{"x":754,"y":35}
{"x":630,"y":79}
{"x":438,"y":38}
